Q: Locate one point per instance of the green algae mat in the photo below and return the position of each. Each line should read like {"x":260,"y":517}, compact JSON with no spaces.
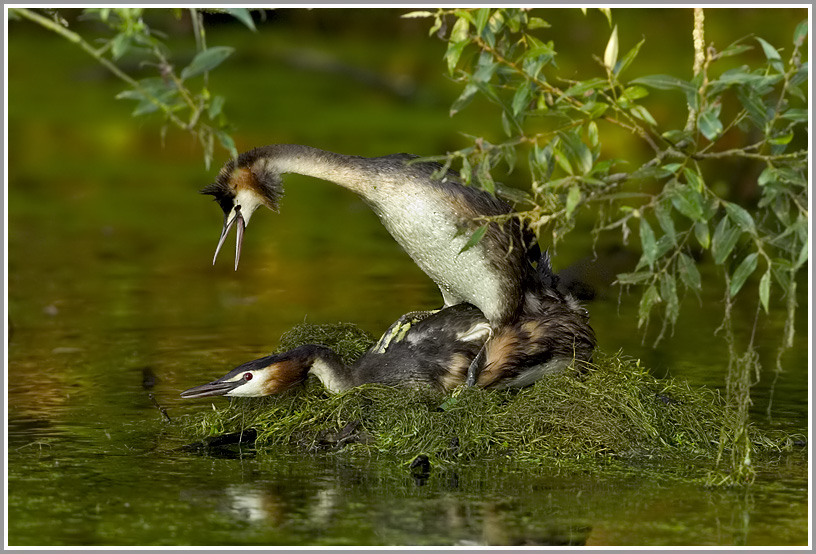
{"x":612,"y":408}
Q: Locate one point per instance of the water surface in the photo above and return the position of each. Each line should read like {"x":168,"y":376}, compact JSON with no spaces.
{"x":123,"y":313}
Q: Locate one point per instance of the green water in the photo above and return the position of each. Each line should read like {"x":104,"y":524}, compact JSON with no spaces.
{"x":92,"y":462}
{"x":112,"y":296}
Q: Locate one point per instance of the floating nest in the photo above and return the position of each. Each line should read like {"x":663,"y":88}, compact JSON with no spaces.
{"x":611,"y":408}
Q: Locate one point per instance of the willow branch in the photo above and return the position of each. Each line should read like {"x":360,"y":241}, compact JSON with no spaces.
{"x":698,"y":37}
{"x":739,"y":152}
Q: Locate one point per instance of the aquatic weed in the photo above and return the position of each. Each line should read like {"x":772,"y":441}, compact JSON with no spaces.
{"x":612,"y":408}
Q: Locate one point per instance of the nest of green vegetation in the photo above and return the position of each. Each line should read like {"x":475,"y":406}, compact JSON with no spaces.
{"x":612,"y":407}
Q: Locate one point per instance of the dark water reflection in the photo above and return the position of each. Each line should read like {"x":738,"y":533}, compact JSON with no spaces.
{"x":130,"y":495}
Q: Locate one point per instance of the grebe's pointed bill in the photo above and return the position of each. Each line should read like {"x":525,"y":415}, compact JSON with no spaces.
{"x":240,"y":223}
{"x":239,"y":234}
{"x":224,"y":230}
{"x":216,"y":388}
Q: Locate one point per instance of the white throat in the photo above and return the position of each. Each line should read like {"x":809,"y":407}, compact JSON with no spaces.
{"x":327,"y":375}
{"x":248,"y":201}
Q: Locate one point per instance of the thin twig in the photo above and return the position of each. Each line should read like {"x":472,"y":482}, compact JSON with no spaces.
{"x":739,"y":152}
{"x":158,"y":406}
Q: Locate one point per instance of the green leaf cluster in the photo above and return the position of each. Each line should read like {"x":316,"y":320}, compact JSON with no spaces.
{"x":755,"y":115}
{"x":750,"y":113}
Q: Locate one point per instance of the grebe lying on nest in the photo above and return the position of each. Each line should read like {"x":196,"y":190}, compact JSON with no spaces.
{"x":435,"y":351}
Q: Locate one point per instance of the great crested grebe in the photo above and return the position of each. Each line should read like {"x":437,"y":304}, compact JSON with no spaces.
{"x":436,"y":351}
{"x":432,"y":219}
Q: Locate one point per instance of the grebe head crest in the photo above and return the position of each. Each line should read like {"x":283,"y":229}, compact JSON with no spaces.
{"x":242,"y":186}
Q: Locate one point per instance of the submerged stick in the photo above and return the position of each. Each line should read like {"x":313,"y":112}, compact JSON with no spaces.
{"x":156,"y":403}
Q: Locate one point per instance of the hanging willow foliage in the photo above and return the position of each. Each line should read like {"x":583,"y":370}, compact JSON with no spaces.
{"x":181,"y":96}
{"x":755,"y":115}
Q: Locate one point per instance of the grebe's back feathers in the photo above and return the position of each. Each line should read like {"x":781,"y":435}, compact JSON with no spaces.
{"x":435,"y":351}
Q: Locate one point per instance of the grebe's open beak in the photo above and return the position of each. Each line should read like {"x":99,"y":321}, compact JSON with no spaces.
{"x":238,"y":221}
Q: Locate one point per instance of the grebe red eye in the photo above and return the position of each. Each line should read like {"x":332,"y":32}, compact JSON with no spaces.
{"x":247,"y":376}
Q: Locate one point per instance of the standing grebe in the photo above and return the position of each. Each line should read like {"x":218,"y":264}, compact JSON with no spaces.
{"x":432,"y":219}
{"x":436,"y":351}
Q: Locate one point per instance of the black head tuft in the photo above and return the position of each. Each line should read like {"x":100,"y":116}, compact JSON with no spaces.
{"x":222,"y":189}
{"x":223,"y":193}
{"x":545,"y":272}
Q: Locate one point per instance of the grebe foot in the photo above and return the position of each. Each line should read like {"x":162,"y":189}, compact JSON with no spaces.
{"x":475,"y":367}
{"x":396,"y":332}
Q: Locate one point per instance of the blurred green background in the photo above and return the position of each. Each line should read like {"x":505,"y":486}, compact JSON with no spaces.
{"x":110,"y":282}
